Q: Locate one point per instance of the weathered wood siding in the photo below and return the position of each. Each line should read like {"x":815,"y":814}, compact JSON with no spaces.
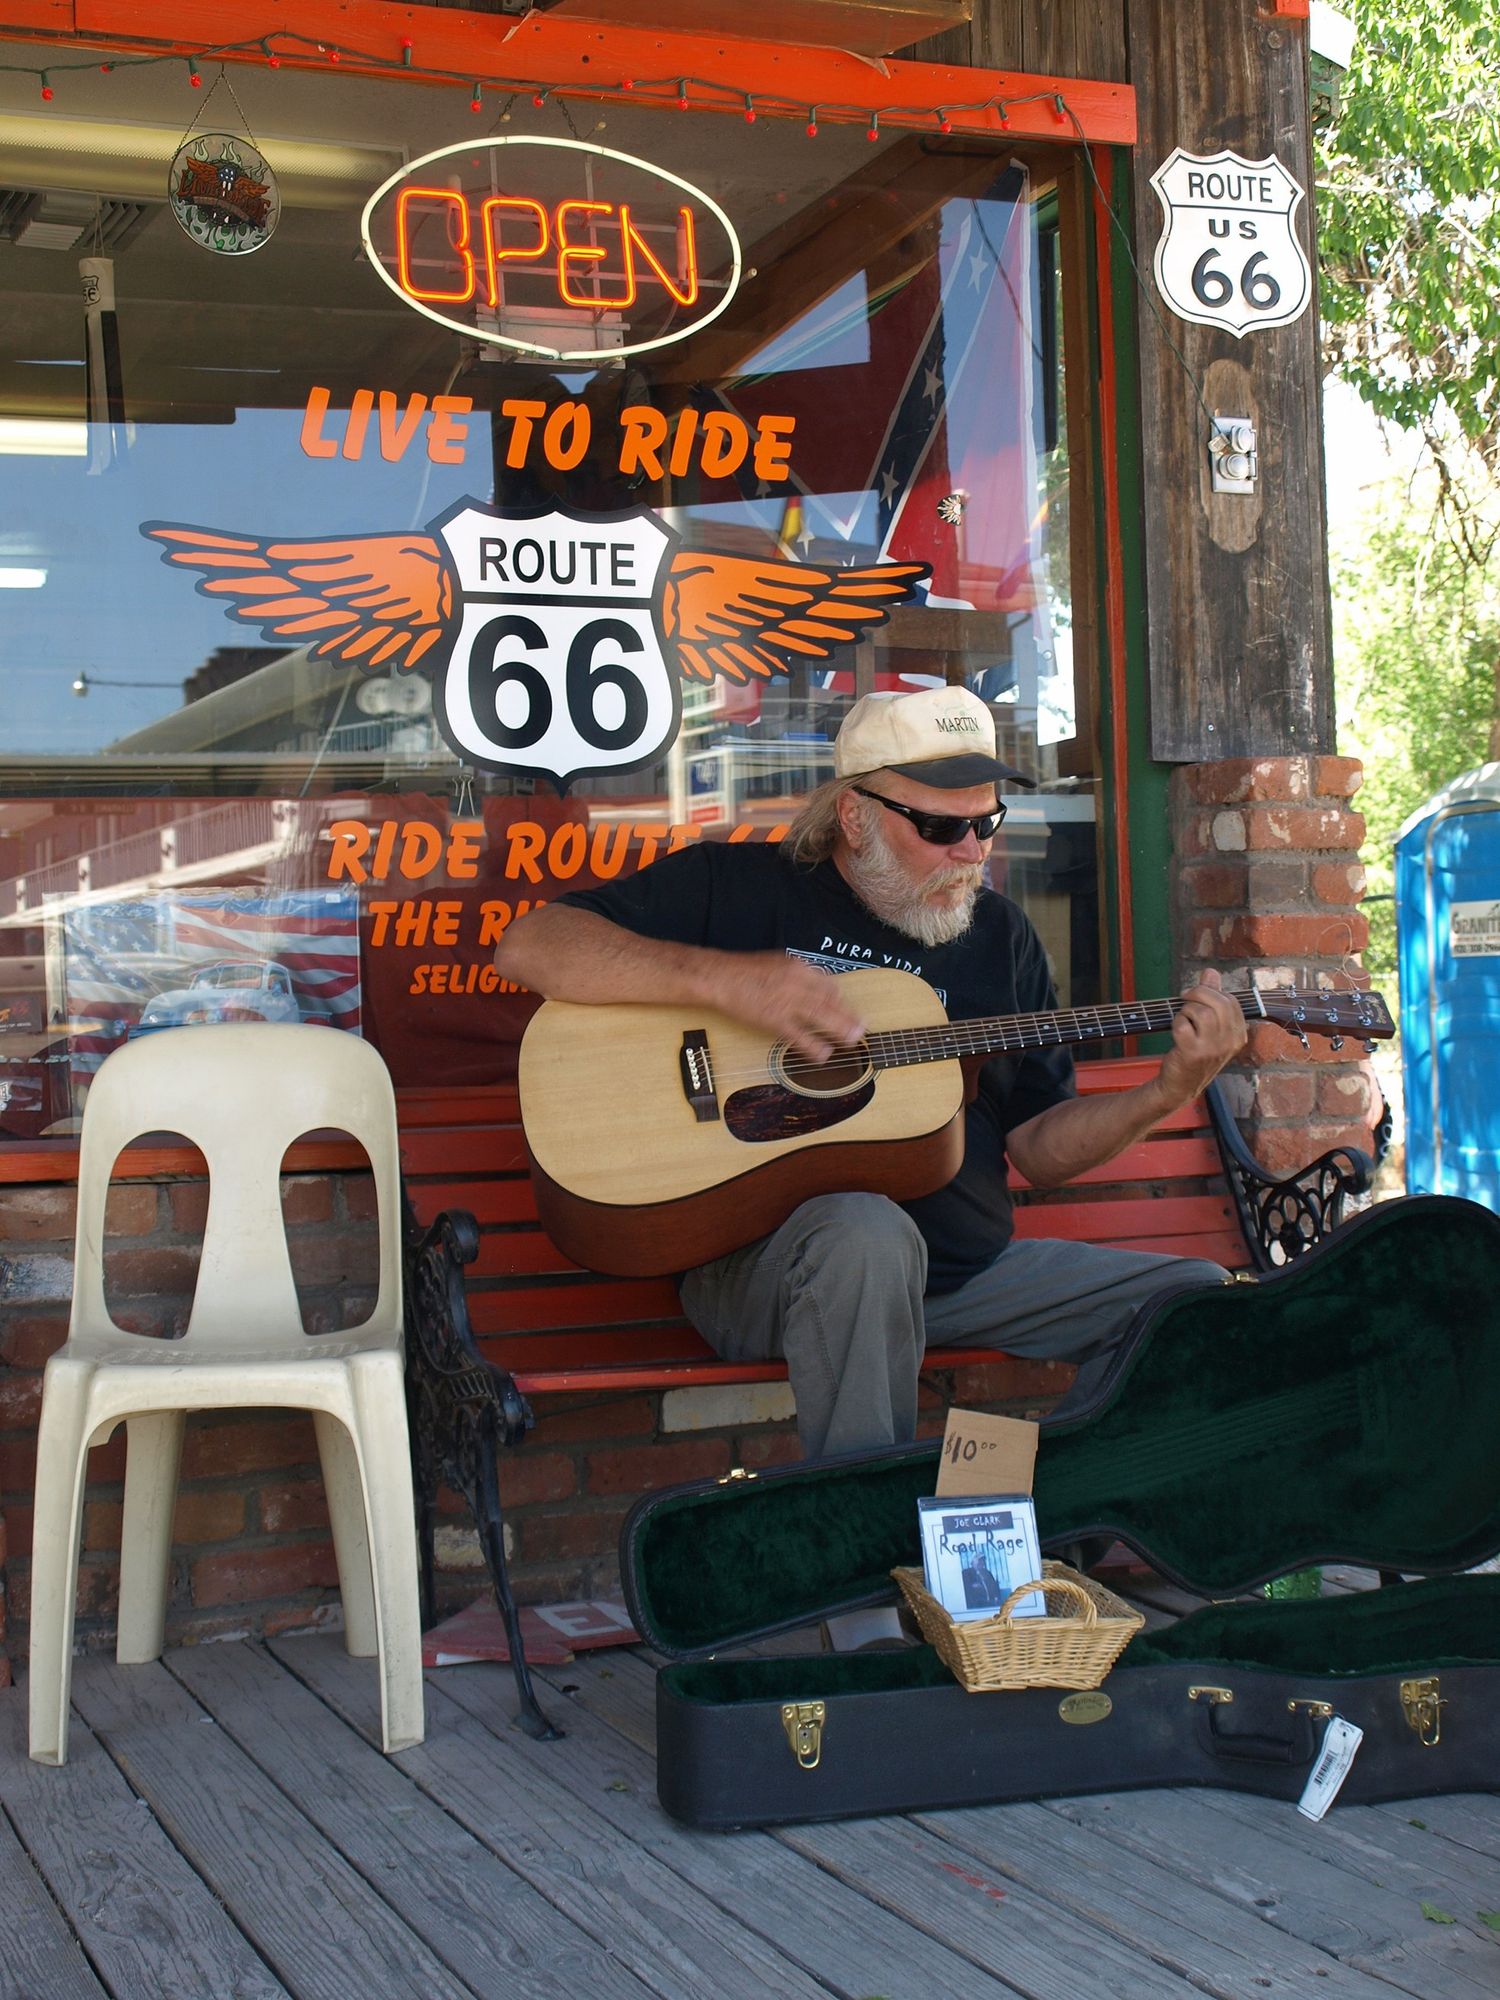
{"x":1236,"y":586}
{"x":1237,"y":591}
{"x":1045,"y":37}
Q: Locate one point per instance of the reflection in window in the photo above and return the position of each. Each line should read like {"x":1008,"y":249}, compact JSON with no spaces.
{"x":179,"y":788}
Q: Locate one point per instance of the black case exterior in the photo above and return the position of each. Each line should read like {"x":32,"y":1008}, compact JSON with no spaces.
{"x":726,"y":1766}
{"x":1392,"y":1332}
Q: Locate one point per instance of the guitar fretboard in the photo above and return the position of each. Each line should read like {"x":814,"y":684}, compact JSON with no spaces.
{"x":993,"y":1034}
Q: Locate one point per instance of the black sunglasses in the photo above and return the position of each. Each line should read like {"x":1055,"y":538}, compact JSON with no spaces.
{"x":942,"y":829}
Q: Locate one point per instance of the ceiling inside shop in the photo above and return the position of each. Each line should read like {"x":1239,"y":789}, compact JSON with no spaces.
{"x":202,"y":335}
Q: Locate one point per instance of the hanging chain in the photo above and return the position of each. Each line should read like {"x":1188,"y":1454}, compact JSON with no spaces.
{"x":209,"y":96}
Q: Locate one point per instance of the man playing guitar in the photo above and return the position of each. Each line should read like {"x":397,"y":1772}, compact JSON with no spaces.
{"x":884,"y":866}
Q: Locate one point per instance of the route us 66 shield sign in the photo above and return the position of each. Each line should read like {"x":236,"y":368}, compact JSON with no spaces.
{"x":1228,"y":254}
{"x":558,"y":665}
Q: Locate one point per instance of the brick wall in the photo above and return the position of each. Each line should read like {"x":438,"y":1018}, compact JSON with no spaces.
{"x":567,"y":1490}
{"x":1267,"y":883}
{"x":252,"y":1549}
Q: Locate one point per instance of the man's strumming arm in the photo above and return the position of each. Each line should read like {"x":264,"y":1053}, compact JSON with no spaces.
{"x":571,"y":954}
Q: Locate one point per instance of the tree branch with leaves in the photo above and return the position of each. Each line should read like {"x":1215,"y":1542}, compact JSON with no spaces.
{"x":1409,"y":241}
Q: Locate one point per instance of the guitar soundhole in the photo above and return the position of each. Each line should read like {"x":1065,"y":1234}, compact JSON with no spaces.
{"x":838,"y":1078}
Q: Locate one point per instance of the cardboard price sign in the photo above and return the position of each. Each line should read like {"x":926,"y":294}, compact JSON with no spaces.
{"x":985,"y":1454}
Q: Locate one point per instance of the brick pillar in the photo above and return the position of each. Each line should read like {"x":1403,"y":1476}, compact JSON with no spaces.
{"x":1266,"y":886}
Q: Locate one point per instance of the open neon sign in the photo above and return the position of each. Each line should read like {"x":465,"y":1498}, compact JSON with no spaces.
{"x":616,"y":240}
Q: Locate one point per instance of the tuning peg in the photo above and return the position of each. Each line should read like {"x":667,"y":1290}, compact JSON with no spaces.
{"x":1301,"y":1033}
{"x":1336,"y":1043}
{"x":1369,"y":1048}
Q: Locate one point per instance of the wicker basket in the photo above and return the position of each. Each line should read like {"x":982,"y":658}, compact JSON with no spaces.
{"x":1074,"y":1651}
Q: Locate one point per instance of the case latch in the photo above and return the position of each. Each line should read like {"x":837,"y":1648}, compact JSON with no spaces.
{"x":803,"y":1723}
{"x":1215,"y":1697}
{"x":1421,"y":1701}
{"x":738,"y":1475}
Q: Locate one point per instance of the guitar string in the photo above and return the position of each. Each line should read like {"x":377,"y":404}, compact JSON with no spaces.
{"x":1006,"y":1033}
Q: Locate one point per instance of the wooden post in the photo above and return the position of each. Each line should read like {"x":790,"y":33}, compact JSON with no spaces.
{"x":1237,"y":584}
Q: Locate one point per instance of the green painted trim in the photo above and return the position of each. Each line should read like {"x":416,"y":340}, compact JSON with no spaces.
{"x":1150,"y":837}
{"x":1109,"y":900}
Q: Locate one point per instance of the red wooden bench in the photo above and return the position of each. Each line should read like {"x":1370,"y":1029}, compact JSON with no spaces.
{"x":487,"y":1286}
{"x":557,"y":1328}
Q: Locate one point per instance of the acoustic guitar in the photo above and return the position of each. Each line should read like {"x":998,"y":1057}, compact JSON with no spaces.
{"x":661,"y":1137}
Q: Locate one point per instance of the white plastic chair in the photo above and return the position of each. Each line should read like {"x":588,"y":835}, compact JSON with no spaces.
{"x":242,"y":1094}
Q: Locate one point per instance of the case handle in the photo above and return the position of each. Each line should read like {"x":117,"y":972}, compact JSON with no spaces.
{"x":1298,"y":1746}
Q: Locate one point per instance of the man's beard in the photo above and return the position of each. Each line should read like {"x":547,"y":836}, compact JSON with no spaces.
{"x":888,"y":891}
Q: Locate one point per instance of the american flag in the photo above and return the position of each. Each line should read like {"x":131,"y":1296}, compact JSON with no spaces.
{"x":118,"y":956}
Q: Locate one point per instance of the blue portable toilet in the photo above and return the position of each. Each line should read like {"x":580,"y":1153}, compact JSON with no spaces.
{"x":1448,"y":941}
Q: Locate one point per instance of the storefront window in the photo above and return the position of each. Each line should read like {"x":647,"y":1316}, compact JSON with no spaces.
{"x":270,"y":751}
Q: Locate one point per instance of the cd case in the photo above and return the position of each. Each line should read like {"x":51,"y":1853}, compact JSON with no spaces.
{"x":976,"y":1551}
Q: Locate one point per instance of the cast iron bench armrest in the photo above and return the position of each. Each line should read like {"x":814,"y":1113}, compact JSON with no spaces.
{"x":460,"y":1410}
{"x":1281,"y":1219}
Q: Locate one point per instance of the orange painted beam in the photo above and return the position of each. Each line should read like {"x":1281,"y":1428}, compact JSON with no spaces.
{"x":590,"y":60}
{"x":38,"y":17}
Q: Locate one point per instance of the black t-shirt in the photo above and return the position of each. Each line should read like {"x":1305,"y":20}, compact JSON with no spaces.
{"x":751,"y":897}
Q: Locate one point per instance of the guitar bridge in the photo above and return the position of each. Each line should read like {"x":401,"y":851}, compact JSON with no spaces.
{"x":697,"y":1068}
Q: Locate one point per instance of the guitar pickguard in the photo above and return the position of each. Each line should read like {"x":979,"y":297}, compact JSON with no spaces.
{"x":767,"y":1112}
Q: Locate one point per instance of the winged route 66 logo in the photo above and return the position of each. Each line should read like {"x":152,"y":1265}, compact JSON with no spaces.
{"x":556,"y":642}
{"x":1228,"y":254}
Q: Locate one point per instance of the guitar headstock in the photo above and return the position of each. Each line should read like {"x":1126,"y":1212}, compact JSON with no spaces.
{"x":1363,"y":1015}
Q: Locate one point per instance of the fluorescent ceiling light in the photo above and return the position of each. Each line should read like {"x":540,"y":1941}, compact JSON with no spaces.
{"x":21,"y":579}
{"x":294,"y":159}
{"x":44,"y":437}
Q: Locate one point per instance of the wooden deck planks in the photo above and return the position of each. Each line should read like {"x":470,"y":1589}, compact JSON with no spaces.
{"x":1367,"y":1922}
{"x":328,"y":1935}
{"x":1469,"y":1819}
{"x":1394,"y":1856}
{"x":226,"y":1825}
{"x":680,"y":1943}
{"x":143,"y":1916}
{"x":905,"y":1873}
{"x":1228,"y":1951}
{"x":488,"y":1925}
{"x":832,"y":1930}
{"x":41,"y":1953}
{"x":994,"y":1923}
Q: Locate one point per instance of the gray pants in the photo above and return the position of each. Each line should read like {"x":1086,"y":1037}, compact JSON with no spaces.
{"x":838,"y":1293}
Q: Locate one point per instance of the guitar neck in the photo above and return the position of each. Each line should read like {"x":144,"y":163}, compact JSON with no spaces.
{"x":995,"y":1034}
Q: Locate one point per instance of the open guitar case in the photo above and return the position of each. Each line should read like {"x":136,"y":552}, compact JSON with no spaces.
{"x":1346,"y":1411}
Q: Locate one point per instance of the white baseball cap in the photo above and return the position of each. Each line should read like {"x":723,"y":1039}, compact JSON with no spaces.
{"x":939,"y":736}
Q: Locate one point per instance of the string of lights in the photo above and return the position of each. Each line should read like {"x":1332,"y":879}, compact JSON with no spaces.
{"x":687,"y":93}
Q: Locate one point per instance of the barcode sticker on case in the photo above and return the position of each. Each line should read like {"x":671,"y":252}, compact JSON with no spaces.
{"x":1340,"y":1741}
